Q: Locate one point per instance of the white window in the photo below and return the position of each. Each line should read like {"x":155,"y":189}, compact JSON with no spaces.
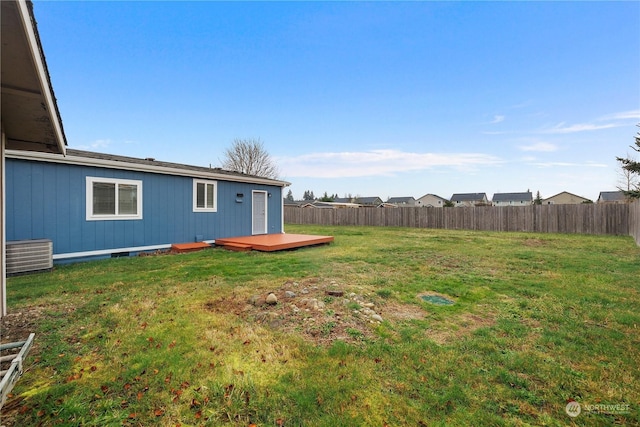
{"x":205,"y":196}
{"x":113,"y":199}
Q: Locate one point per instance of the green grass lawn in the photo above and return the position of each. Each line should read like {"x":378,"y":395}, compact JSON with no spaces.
{"x":537,"y":320}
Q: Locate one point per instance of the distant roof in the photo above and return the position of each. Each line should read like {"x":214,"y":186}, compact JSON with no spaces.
{"x":400,"y":199}
{"x":505,"y":197}
{"x":367,"y":200}
{"x":611,"y":196}
{"x":468,"y":197}
{"x":566,"y":192}
{"x":434,"y":195}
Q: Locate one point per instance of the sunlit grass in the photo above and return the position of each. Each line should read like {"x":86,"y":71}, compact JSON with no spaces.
{"x":537,"y":320}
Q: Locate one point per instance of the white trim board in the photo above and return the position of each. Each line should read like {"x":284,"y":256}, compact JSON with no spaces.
{"x":87,"y":254}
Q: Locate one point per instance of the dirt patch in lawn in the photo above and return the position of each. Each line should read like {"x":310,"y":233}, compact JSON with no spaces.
{"x":320,"y":312}
{"x":460,"y":326}
{"x":18,"y":324}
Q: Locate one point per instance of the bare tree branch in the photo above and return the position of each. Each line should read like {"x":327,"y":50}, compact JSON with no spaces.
{"x":250,"y":157}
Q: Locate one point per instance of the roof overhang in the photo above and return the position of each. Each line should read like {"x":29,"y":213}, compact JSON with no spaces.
{"x":30,"y":116}
{"x":71,"y":159}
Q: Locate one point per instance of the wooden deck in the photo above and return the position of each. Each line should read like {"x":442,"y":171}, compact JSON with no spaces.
{"x":272,"y":242}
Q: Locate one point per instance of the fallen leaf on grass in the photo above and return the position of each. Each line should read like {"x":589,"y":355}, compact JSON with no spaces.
{"x":158,"y":412}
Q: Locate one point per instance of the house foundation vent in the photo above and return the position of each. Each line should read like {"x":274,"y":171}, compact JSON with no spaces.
{"x":26,"y":256}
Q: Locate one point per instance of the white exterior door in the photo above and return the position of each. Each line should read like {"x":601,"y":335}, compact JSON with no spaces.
{"x":259,"y":212}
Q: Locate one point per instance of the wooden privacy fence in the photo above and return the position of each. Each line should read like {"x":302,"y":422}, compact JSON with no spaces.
{"x":615,"y":219}
{"x":634,"y":221}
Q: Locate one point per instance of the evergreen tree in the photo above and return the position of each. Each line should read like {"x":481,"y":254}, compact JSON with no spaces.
{"x":289,"y":197}
{"x":633,"y":167}
{"x":326,"y":198}
{"x":538,"y":199}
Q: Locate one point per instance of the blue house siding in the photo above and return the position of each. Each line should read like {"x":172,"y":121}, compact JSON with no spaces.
{"x":48,"y":201}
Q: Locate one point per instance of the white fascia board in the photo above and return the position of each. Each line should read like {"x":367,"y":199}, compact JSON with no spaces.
{"x":45,"y":89}
{"x":138,"y":167}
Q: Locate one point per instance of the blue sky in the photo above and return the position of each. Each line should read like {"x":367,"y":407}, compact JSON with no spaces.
{"x":361,"y":98}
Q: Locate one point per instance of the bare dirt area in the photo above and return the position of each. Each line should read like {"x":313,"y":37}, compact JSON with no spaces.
{"x":18,"y":324}
{"x":320,"y":312}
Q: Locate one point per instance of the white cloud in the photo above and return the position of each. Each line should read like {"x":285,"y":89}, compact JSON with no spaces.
{"x":497,"y":119}
{"x":569,"y":164}
{"x":624,"y":115}
{"x":539,"y":146}
{"x":103,"y":145}
{"x":494,"y":133}
{"x":377,"y":163}
{"x":98,"y":144}
{"x":562,"y":128}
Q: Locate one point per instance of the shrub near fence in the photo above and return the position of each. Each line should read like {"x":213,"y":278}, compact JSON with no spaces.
{"x":615,"y":219}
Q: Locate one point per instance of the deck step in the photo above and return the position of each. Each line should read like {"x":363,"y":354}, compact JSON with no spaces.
{"x":190,"y":247}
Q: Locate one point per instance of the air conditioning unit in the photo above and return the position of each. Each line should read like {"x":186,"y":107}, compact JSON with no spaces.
{"x":26,"y":256}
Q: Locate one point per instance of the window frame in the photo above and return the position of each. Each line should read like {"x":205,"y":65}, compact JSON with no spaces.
{"x":90,"y":180}
{"x":195,"y":195}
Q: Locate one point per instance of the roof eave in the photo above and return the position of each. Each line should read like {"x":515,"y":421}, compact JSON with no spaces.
{"x":140,"y":167}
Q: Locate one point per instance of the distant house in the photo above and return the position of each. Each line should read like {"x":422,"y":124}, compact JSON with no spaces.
{"x":368,"y":201}
{"x":388,"y":205}
{"x":431,"y":201}
{"x":330,"y":205}
{"x":361,"y":201}
{"x":565,"y":198}
{"x":512,"y":199}
{"x":402,"y":201}
{"x":98,"y":205}
{"x":612,"y":197}
{"x":469,"y":199}
{"x":294,"y":203}
{"x":343,"y":200}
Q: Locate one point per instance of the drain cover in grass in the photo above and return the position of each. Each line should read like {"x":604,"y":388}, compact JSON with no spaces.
{"x":436,"y":299}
